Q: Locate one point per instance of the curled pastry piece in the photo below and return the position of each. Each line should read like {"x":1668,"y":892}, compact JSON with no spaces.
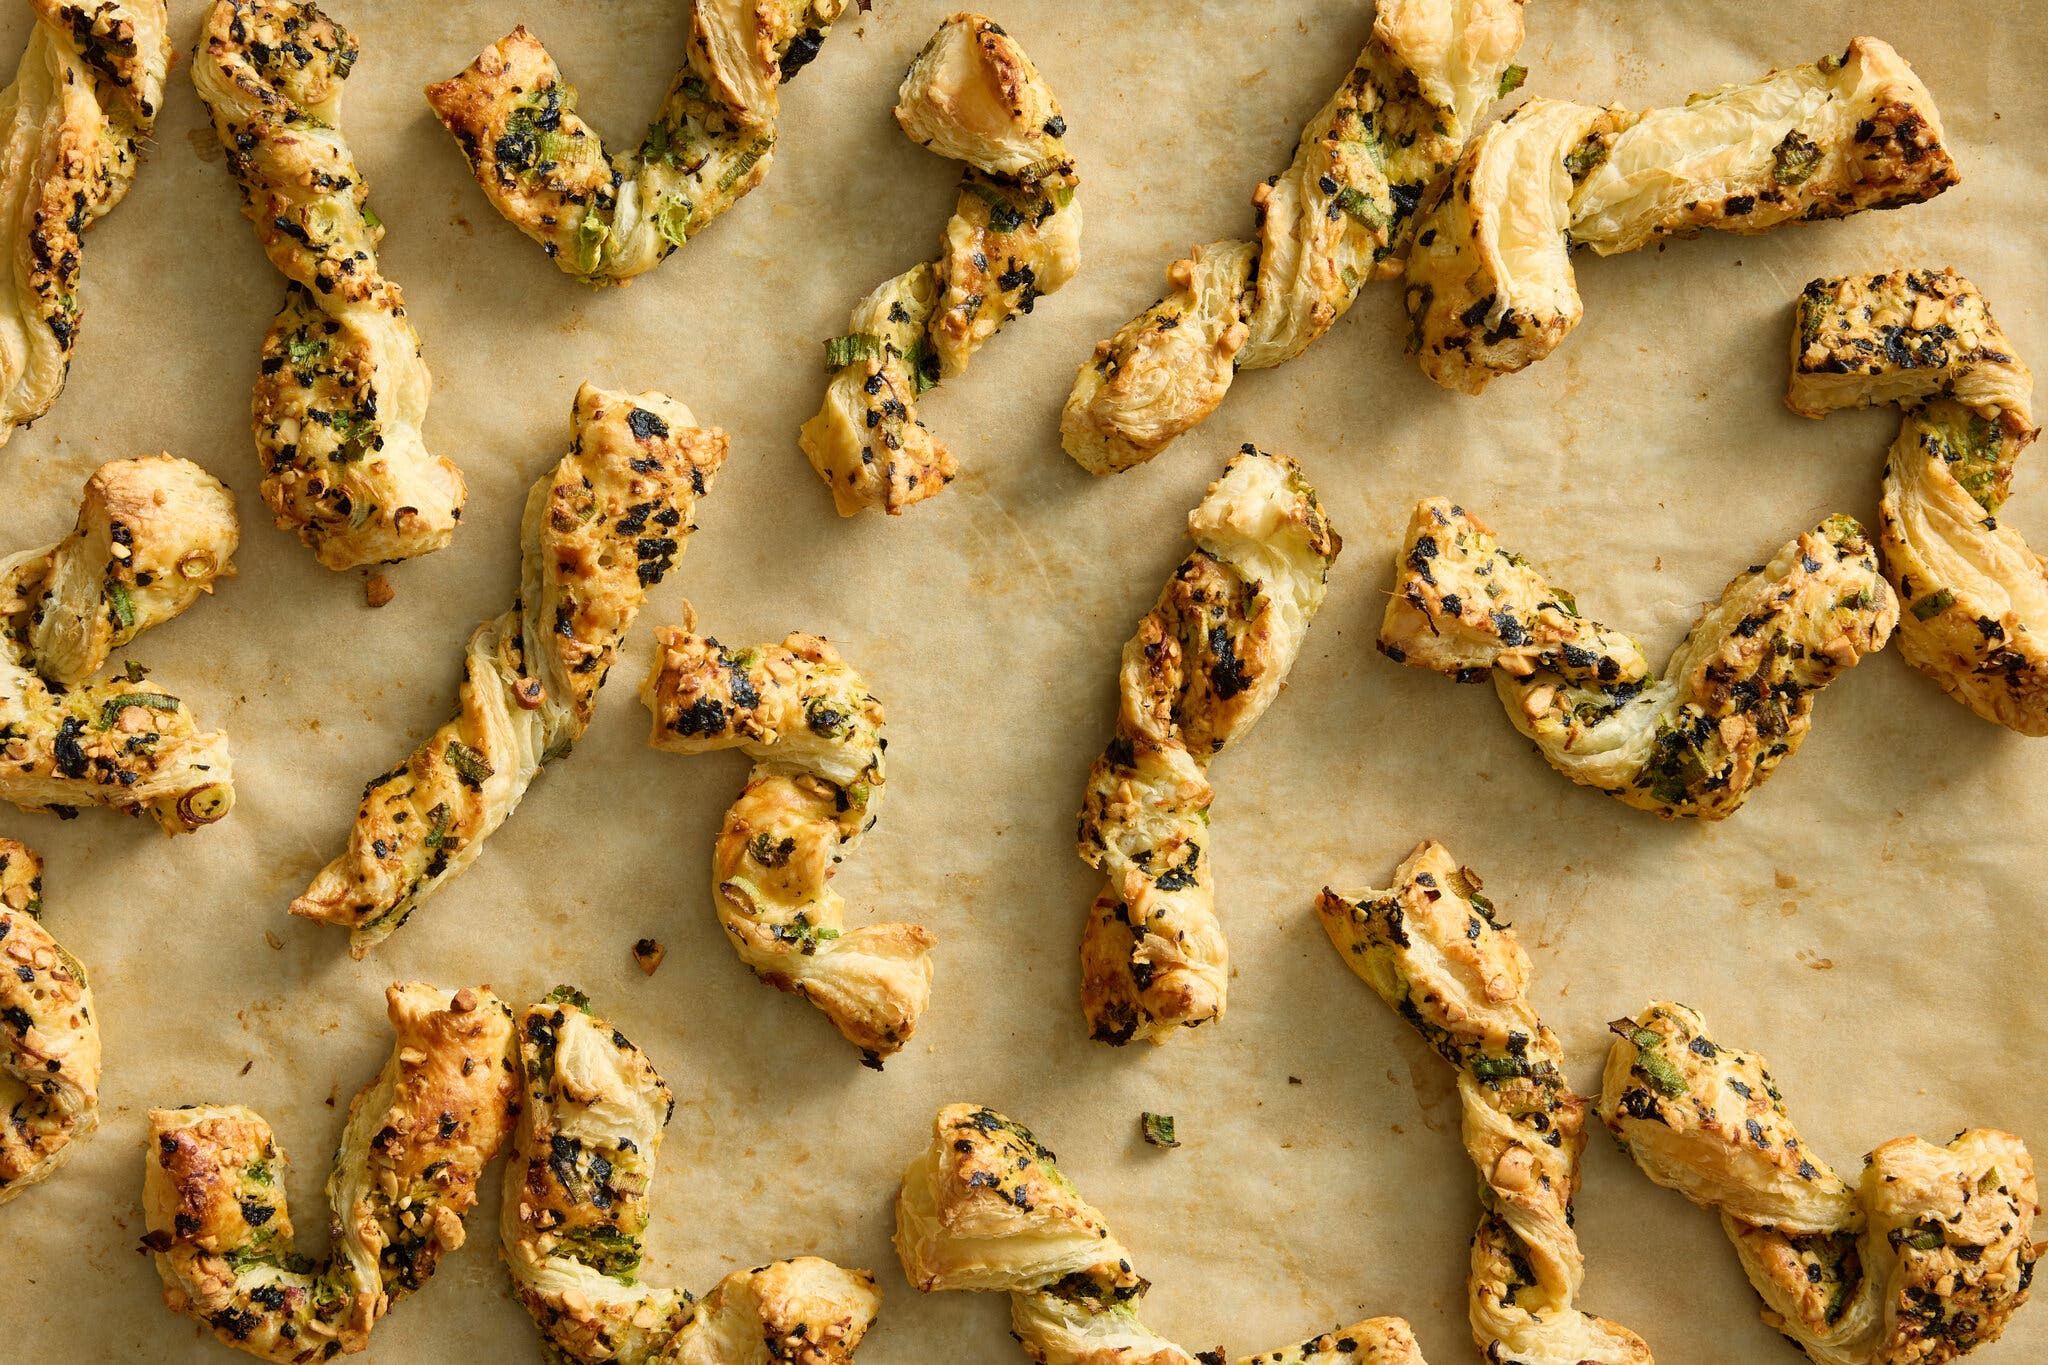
{"x":341,"y":392}
{"x":152,"y":536}
{"x":814,"y":732}
{"x":1205,"y":664}
{"x":1735,"y":699}
{"x":1490,"y":288}
{"x":574,"y":1221}
{"x":153,"y":533}
{"x":1341,"y":214}
{"x":49,"y":1040}
{"x":404,"y":1177}
{"x":1924,"y":1260}
{"x":606,"y":216}
{"x":1431,"y":948}
{"x":987,"y":1207}
{"x":601,"y":528}
{"x":83,"y":102}
{"x":1015,"y":236}
{"x":1975,"y":594}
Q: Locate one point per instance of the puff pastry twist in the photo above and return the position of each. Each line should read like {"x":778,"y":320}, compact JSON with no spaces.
{"x":1431,"y":948}
{"x":1015,"y":236}
{"x":152,"y":535}
{"x":1490,"y":287}
{"x":83,"y":101}
{"x":814,"y":732}
{"x":1341,"y":214}
{"x":341,"y":392}
{"x":1735,"y":699}
{"x":49,"y":1040}
{"x":1923,"y":1261}
{"x":1975,"y":594}
{"x":606,"y":216}
{"x":1205,"y":663}
{"x":601,"y":528}
{"x":574,"y":1219}
{"x":405,"y":1174}
{"x":987,"y":1207}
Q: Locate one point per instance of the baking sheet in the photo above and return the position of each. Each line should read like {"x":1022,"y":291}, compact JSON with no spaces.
{"x":1869,"y":921}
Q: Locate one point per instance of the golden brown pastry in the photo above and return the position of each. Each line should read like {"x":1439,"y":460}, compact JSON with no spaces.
{"x":1431,"y":948}
{"x":341,"y":392}
{"x":987,"y":1207}
{"x":600,"y":529}
{"x":1975,"y":594}
{"x":1735,"y":699}
{"x":1204,"y":665}
{"x":83,"y":102}
{"x":417,"y":1136}
{"x":1490,"y":288}
{"x":49,"y":1040}
{"x":152,"y":535}
{"x":606,"y":216}
{"x":1341,"y":214}
{"x":574,"y":1219}
{"x":1921,"y":1263}
{"x":814,"y":732}
{"x":1015,"y":236}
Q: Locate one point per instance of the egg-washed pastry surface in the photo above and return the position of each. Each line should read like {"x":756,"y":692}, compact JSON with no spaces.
{"x":1923,"y":1260}
{"x":341,"y":390}
{"x":1490,"y":286}
{"x":403,"y":1178}
{"x":1204,"y":665}
{"x":49,"y":1039}
{"x":986,"y":1207}
{"x":1734,"y":700}
{"x":605,"y":216}
{"x":578,"y":1185}
{"x":601,"y":528}
{"x":814,"y":732}
{"x":1015,"y":236}
{"x":1974,"y":595}
{"x":81,"y":107}
{"x":1431,"y":947}
{"x":152,"y":536}
{"x":1342,"y":213}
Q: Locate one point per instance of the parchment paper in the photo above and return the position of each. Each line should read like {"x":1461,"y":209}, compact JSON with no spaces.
{"x":1869,"y":922}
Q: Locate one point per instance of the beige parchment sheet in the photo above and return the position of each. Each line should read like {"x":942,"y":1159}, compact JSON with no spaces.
{"x":1870,"y":921}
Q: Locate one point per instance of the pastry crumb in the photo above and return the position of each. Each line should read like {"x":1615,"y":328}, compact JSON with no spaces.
{"x":648,"y":952}
{"x":377,"y":590}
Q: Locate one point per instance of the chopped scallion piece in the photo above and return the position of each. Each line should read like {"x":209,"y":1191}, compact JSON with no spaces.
{"x":924,"y":365}
{"x":1795,"y":159}
{"x":111,"y":710}
{"x":1158,"y":1129}
{"x":1498,"y":1068}
{"x":746,"y":163}
{"x":468,"y":762}
{"x":1360,"y":209}
{"x":843,"y":351}
{"x":672,"y":219}
{"x":590,"y":235}
{"x":122,"y":604}
{"x":569,"y":995}
{"x":1933,"y":605}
